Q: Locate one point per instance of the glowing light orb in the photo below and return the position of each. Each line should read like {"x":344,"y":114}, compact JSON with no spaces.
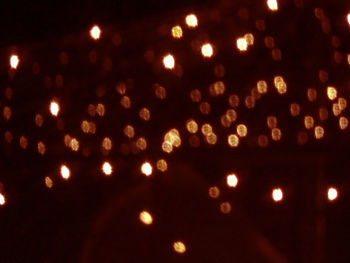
{"x":272,"y":5}
{"x":65,"y":172}
{"x":191,"y":20}
{"x":169,"y":61}
{"x":146,"y":218}
{"x":95,"y":32}
{"x":242,"y":44}
{"x":179,"y":247}
{"x":232,"y":180}
{"x":107,"y":168}
{"x":146,"y":168}
{"x":54,"y":108}
{"x":2,"y":199}
{"x":14,"y":60}
{"x":277,"y":194}
{"x":207,"y":50}
{"x":332,"y":194}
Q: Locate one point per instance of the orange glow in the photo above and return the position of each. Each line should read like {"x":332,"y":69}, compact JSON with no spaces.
{"x":107,"y":168}
{"x":169,"y":61}
{"x":272,"y":4}
{"x":242,"y":44}
{"x":95,"y":32}
{"x":332,"y":194}
{"x":232,"y":180}
{"x":146,"y":168}
{"x":179,"y":247}
{"x":277,"y":194}
{"x":65,"y":172}
{"x":54,"y":108}
{"x":2,"y":199}
{"x":191,"y":20}
{"x":332,"y":93}
{"x":176,"y":32}
{"x":146,"y":218}
{"x":14,"y":61}
{"x":207,"y":50}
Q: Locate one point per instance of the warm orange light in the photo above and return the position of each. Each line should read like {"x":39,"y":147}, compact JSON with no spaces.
{"x":191,"y":20}
{"x":107,"y":168}
{"x":179,"y":247}
{"x":232,"y":180}
{"x":2,"y":199}
{"x":146,"y":218}
{"x":242,"y":44}
{"x":207,"y":50}
{"x":54,"y":108}
{"x":65,"y":172}
{"x":277,"y":194}
{"x":146,"y":168}
{"x":272,"y":4}
{"x":169,"y":61}
{"x":95,"y":32}
{"x":332,"y":194}
{"x":14,"y":60}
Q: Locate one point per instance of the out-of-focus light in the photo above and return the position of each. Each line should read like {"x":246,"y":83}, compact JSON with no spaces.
{"x":14,"y":60}
{"x":2,"y":199}
{"x":107,"y":168}
{"x":332,"y":93}
{"x":242,"y":44}
{"x":191,"y":20}
{"x":54,"y":108}
{"x":232,"y":180}
{"x":169,"y":61}
{"x":95,"y":32}
{"x":277,"y":194}
{"x":207,"y":50}
{"x":176,"y":32}
{"x":179,"y":247}
{"x":332,"y":194}
{"x":146,"y":218}
{"x":272,"y":5}
{"x":146,"y":168}
{"x":65,"y":172}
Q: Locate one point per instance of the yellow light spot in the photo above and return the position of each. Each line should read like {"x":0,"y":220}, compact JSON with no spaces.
{"x":141,"y":143}
{"x":242,"y":130}
{"x":262,"y":86}
{"x":319,"y":132}
{"x":41,"y":148}
{"x":95,"y":32}
{"x":233,"y":100}
{"x":14,"y":61}
{"x":146,"y":168}
{"x":23,"y":142}
{"x":343,"y":122}
{"x":48,"y":182}
{"x":272,"y":5}
{"x":277,"y":194}
{"x":332,"y":194}
{"x":232,"y":180}
{"x":2,"y":199}
{"x":179,"y":247}
{"x":54,"y":108}
{"x":100,"y":109}
{"x":169,"y":61}
{"x":242,"y":44}
{"x":65,"y":172}
{"x":249,"y":38}
{"x":146,"y":218}
{"x":145,"y":114}
{"x":311,"y":94}
{"x":176,"y":31}
{"x":233,"y":140}
{"x":162,"y":165}
{"x":129,"y":131}
{"x":107,"y":143}
{"x":308,"y":122}
{"x":125,"y":102}
{"x":225,"y":207}
{"x":191,"y":20}
{"x":294,"y":109}
{"x":39,"y":120}
{"x":192,"y":126}
{"x":74,"y":144}
{"x":271,"y":122}
{"x":214,"y":192}
{"x":195,"y":95}
{"x":159,"y":91}
{"x":332,"y":93}
{"x":207,"y":50}
{"x":276,"y":134}
{"x":107,"y":168}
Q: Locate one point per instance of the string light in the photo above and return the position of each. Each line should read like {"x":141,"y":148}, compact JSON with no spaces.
{"x":95,"y":32}
{"x":14,"y":61}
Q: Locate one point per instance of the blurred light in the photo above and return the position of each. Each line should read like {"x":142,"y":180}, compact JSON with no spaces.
{"x":2,"y":199}
{"x":146,"y":168}
{"x":191,"y":20}
{"x":162,"y":165}
{"x":214,"y":192}
{"x":277,"y":194}
{"x":179,"y":247}
{"x":242,"y":130}
{"x":232,"y":180}
{"x":332,"y":194}
{"x":332,"y":93}
{"x":95,"y":32}
{"x":48,"y":182}
{"x":272,"y":4}
{"x":146,"y":218}
{"x":343,"y":123}
{"x":233,"y":140}
{"x":65,"y":172}
{"x":192,"y":126}
{"x":169,"y":61}
{"x":54,"y":108}
{"x":225,"y":207}
{"x":176,"y":32}
{"x":107,"y":168}
{"x":14,"y":61}
{"x":319,"y":132}
{"x":242,"y":44}
{"x":207,"y":50}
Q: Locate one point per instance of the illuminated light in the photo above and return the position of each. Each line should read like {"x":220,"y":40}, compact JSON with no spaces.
{"x":41,"y":148}
{"x":100,"y":109}
{"x":269,"y":42}
{"x":232,"y":180}
{"x":195,"y":95}
{"x":263,"y":141}
{"x":179,"y":247}
{"x":167,"y":147}
{"x":225,"y":121}
{"x":107,"y":168}
{"x":218,"y":88}
{"x":242,"y":130}
{"x":7,"y":113}
{"x":225,"y":207}
{"x":311,"y":94}
{"x":271,"y":122}
{"x":159,"y":91}
{"x":2,"y":199}
{"x":191,"y":20}
{"x":242,"y":44}
{"x":207,"y":50}
{"x":65,"y":172}
{"x":214,"y":192}
{"x":319,"y":132}
{"x":129,"y":131}
{"x":233,"y":100}
{"x":323,"y":114}
{"x":14,"y":61}
{"x":308,"y":122}
{"x":192,"y":126}
{"x":294,"y":109}
{"x":277,"y":194}
{"x":162,"y":165}
{"x":48,"y":182}
{"x":107,"y":143}
{"x":23,"y":142}
{"x":332,"y":194}
{"x":332,"y":93}
{"x":272,"y":5}
{"x":74,"y":144}
{"x":211,"y":138}
{"x":249,"y":38}
{"x":204,"y":108}
{"x":95,"y":32}
{"x":249,"y":102}
{"x":176,"y":31}
{"x":54,"y":108}
{"x":146,"y":168}
{"x":206,"y":129}
{"x":146,"y":218}
{"x":233,"y":140}
{"x":262,"y":86}
{"x":343,"y":123}
{"x":342,"y":103}
{"x":145,"y":114}
{"x":348,"y":18}
{"x":276,"y":134}
{"x":125,"y":102}
{"x":169,"y":61}
{"x":141,"y":143}
{"x":336,"y":109}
